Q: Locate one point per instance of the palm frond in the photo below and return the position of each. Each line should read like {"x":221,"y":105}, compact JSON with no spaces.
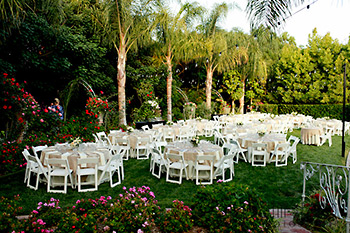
{"x":270,"y":13}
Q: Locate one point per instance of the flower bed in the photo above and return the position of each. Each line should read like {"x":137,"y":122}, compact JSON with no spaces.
{"x":136,"y":210}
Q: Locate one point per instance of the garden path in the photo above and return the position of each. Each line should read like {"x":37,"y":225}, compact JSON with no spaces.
{"x":286,"y":221}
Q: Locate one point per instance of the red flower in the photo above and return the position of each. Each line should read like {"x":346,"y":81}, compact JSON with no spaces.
{"x":5,"y":75}
{"x":10,"y":107}
{"x":101,"y":92}
{"x":45,"y":110}
{"x":148,"y":95}
{"x":5,"y":107}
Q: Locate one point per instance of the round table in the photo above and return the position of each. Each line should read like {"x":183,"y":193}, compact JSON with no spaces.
{"x":311,"y":136}
{"x":190,"y":152}
{"x":271,"y":140}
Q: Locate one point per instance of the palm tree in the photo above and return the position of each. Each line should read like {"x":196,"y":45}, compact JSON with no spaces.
{"x":270,"y":13}
{"x":215,"y":49}
{"x":124,"y":22}
{"x":172,"y":40}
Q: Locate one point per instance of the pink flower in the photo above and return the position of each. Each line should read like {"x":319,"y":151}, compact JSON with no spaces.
{"x":60,"y":114}
{"x":41,"y":120}
{"x":245,"y":202}
{"x":33,"y":112}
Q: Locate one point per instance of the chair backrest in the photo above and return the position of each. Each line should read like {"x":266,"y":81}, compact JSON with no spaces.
{"x":174,"y":158}
{"x":37,"y":149}
{"x":228,"y":148}
{"x":295,"y":143}
{"x":101,"y":135}
{"x":87,"y":162}
{"x":282,"y":147}
{"x":259,"y":146}
{"x":58,"y":163}
{"x":114,"y":131}
{"x":235,"y":143}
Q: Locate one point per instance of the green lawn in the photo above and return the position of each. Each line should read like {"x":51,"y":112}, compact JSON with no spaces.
{"x":281,"y":187}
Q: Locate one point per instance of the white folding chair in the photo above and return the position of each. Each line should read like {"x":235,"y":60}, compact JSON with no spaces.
{"x":87,"y":167}
{"x":259,"y":154}
{"x":175,"y":163}
{"x":37,"y":150}
{"x":226,"y":162}
{"x":58,"y":168}
{"x":327,"y":136}
{"x":240,"y":150}
{"x":204,"y":164}
{"x":34,"y":166}
{"x":124,"y":144}
{"x":168,"y":134}
{"x":184,"y":133}
{"x":142,"y":148}
{"x":280,"y":154}
{"x":157,"y":161}
{"x":218,"y":138}
{"x":292,"y":150}
{"x":108,"y":170}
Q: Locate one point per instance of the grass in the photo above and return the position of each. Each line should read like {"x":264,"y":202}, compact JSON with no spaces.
{"x":281,"y":187}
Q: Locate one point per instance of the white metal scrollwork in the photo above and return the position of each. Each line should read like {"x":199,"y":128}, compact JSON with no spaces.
{"x":334,"y":183}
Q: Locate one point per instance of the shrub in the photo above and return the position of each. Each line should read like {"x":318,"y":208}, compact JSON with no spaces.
{"x":9,"y":209}
{"x":133,"y":211}
{"x":227,"y":207}
{"x":311,"y":215}
{"x":176,"y":219}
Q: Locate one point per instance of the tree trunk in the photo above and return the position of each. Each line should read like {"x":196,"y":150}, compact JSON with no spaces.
{"x":241,"y":100}
{"x":169,"y":81}
{"x":208,"y":86}
{"x":233,"y":106}
{"x":121,"y":77}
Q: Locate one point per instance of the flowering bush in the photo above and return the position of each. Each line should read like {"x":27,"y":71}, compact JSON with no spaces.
{"x":149,"y":108}
{"x":133,"y":211}
{"x":311,"y":215}
{"x":9,"y":209}
{"x":96,"y":105}
{"x":224,"y":207}
{"x":176,"y":219}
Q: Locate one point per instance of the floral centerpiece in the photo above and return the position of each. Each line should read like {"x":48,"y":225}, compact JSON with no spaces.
{"x":195,"y":141}
{"x":261,"y":133}
{"x":75,"y":143}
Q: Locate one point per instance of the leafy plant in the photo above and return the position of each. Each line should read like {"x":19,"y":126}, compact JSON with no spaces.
{"x":227,"y":207}
{"x":176,"y":219}
{"x":311,"y":215}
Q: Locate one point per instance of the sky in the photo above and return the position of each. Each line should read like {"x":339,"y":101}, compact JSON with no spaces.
{"x":331,"y":16}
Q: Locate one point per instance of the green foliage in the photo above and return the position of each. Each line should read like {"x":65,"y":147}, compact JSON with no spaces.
{"x":9,"y":209}
{"x":230,"y":207}
{"x":311,"y":215}
{"x":176,"y":219}
{"x":203,"y":112}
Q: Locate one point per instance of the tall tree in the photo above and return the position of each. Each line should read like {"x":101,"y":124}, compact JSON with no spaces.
{"x":270,"y":13}
{"x":172,"y":40}
{"x":124,"y":23}
{"x":215,"y":48}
